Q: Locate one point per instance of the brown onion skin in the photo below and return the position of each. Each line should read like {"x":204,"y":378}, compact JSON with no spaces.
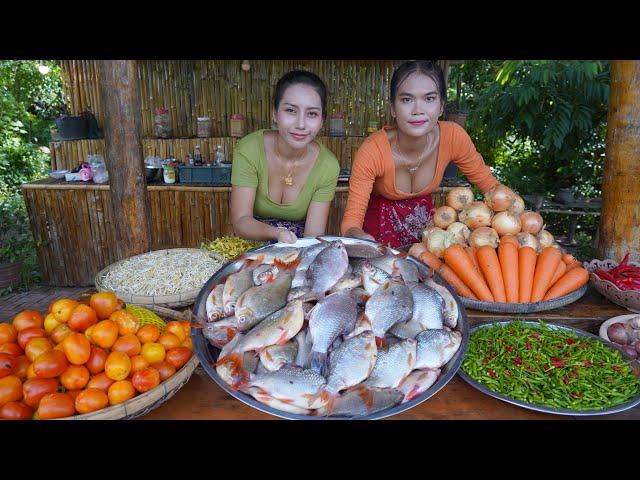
{"x":617,"y":334}
{"x":487,"y":232}
{"x":518,"y":205}
{"x":512,"y":229}
{"x":500,"y":198}
{"x":474,"y":223}
{"x":444,"y":216}
{"x":528,"y":240}
{"x":531,"y":222}
{"x":459,"y":197}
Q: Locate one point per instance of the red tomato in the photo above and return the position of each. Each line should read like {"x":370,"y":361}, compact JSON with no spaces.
{"x":178,"y":356}
{"x":101,"y":382}
{"x":27,"y":334}
{"x":77,"y":348}
{"x":10,"y":389}
{"x":37,"y":346}
{"x":74,"y":393}
{"x":177,"y":329}
{"x":8,"y":333}
{"x":148,"y":333}
{"x":82,"y":317}
{"x":36,"y":388}
{"x":75,"y":377}
{"x":127,"y":322}
{"x":28,"y":318}
{"x":63,"y":308}
{"x":138,"y":362}
{"x":12,"y":349}
{"x":61,"y":332}
{"x":90,"y":400}
{"x":104,"y":303}
{"x":104,"y":333}
{"x":7,"y":364}
{"x":97,"y":360}
{"x":50,"y":364}
{"x":145,"y":379}
{"x":16,"y":411}
{"x":129,"y":344}
{"x":165,"y":369}
{"x":22,"y":365}
{"x":56,"y":405}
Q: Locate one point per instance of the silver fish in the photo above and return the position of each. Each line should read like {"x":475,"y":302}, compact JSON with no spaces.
{"x":308,"y":254}
{"x":264,"y":273}
{"x":450,"y":311}
{"x":393,"y":365}
{"x":405,"y":330}
{"x":386,"y":263}
{"x":428,"y":305}
{"x":360,"y":296}
{"x":284,"y":257}
{"x":361,"y":401}
{"x":373,"y":277}
{"x":356,"y":265}
{"x":214,"y":305}
{"x":418,"y":382}
{"x":406,"y":270}
{"x":291,"y":384}
{"x":297,"y":292}
{"x":303,"y":355}
{"x":220,"y":333}
{"x":268,"y":400}
{"x":363,"y":324}
{"x":348,"y":282}
{"x":436,"y":347}
{"x":351,"y":363}
{"x":258,"y":302}
{"x":250,"y":361}
{"x":275,"y":356}
{"x":260,"y":368}
{"x":235,"y":285}
{"x":300,"y":279}
{"x":365,"y":250}
{"x":390,"y":304}
{"x":333,"y":316}
{"x":327,"y":268}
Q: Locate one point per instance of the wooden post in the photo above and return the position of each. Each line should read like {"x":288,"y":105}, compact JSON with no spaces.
{"x":620,"y":219}
{"x":120,"y":94}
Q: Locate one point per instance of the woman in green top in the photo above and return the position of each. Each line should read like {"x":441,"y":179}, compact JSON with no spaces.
{"x":282,"y":180}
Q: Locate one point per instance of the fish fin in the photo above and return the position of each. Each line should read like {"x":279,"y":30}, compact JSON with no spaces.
{"x":322,"y":240}
{"x":365,"y":394}
{"x":239,"y":375}
{"x":283,"y":338}
{"x":402,"y":254}
{"x":319,"y":363}
{"x":380,"y":342}
{"x":292,"y":265}
{"x":383,"y":249}
{"x":413,"y":393}
{"x":288,"y":401}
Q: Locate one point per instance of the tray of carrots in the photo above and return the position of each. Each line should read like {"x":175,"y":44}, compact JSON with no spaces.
{"x":510,"y":278}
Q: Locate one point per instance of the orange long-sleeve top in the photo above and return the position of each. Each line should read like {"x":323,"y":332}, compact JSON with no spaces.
{"x":373,"y":170}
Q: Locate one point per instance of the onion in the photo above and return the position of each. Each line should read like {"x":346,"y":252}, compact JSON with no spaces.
{"x":506,"y":223}
{"x":629,"y":350}
{"x":417,"y":249}
{"x":634,"y":322}
{"x":428,"y":231}
{"x":459,"y":197}
{"x":438,"y":241}
{"x":476,"y":214}
{"x":527,"y":240}
{"x":459,"y":231}
{"x":617,"y":333}
{"x":636,"y":345}
{"x":484,"y":236}
{"x":545,"y":238}
{"x":518,"y":205}
{"x":531,"y":222}
{"x":444,"y":216}
{"x":500,"y":198}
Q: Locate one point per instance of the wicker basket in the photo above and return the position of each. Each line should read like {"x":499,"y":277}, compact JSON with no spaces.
{"x":171,"y":301}
{"x":145,"y":402}
{"x":502,"y":307}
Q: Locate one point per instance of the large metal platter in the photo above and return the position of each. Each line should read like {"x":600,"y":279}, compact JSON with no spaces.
{"x":633,"y":364}
{"x":208,"y":354}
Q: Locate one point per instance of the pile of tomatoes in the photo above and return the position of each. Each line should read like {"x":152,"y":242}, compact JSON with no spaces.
{"x":84,"y":356}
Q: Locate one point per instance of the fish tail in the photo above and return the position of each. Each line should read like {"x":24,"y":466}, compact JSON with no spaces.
{"x":239,"y":376}
{"x":319,"y":362}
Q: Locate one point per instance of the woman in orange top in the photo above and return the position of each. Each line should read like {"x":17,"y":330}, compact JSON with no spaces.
{"x":396,"y":169}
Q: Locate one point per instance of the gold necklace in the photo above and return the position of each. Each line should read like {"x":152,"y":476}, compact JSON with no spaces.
{"x":288,"y":178}
{"x":422,"y":156}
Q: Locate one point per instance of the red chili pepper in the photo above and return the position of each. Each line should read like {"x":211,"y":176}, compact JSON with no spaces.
{"x":566,"y":380}
{"x":587,"y":363}
{"x":509,"y":349}
{"x":491,"y":373}
{"x":570,"y":341}
{"x":558,"y":364}
{"x":603,"y":274}
{"x":528,"y":346}
{"x":517,"y":360}
{"x":535,"y":335}
{"x":617,"y":368}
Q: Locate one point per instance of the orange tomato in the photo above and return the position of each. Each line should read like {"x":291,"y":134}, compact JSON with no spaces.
{"x":104,"y":303}
{"x":7,"y":364}
{"x":153,"y":352}
{"x":28,"y":318}
{"x":73,"y":393}
{"x":188,"y":343}
{"x":90,"y":400}
{"x":97,"y":359}
{"x":118,"y":366}
{"x":82,"y":317}
{"x":177,"y":329}
{"x":12,"y":349}
{"x":77,"y":348}
{"x":37,"y":346}
{"x":8,"y":333}
{"x":22,"y":365}
{"x":27,"y":334}
{"x":100,"y":381}
{"x":75,"y":377}
{"x":88,"y":332}
{"x":50,"y":323}
{"x":50,"y":364}
{"x":16,"y":411}
{"x":186,"y":325}
{"x":127,"y":321}
{"x":138,"y":362}
{"x":31,"y":373}
{"x":59,"y":333}
{"x":128,"y":344}
{"x":36,"y":388}
{"x":10,"y":389}
{"x":105,"y":333}
{"x":148,"y":333}
{"x":169,"y":340}
{"x":120,"y":392}
{"x":56,"y":405}
{"x":145,"y":379}
{"x":178,"y":356}
{"x":165,"y":369}
{"x":63,"y":308}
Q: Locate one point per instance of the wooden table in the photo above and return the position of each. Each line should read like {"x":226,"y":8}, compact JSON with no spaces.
{"x":202,"y":399}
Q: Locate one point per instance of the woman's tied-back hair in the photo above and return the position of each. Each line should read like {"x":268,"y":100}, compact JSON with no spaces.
{"x":301,"y":76}
{"x":426,"y":67}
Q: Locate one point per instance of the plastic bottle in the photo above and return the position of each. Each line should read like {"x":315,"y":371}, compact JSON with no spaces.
{"x":219,"y":158}
{"x":197,"y":156}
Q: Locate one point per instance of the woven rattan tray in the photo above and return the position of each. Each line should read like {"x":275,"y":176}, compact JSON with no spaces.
{"x":501,"y":307}
{"x":145,"y":402}
{"x":182,"y":299}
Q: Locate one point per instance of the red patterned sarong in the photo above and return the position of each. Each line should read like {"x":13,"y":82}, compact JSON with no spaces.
{"x":397,"y":222}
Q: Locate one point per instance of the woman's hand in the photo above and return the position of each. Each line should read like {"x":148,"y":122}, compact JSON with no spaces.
{"x":359,"y":233}
{"x":285,"y":236}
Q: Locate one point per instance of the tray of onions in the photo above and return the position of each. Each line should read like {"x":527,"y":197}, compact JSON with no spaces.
{"x":498,"y":256}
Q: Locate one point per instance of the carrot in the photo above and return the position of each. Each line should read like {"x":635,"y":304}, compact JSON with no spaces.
{"x":471,"y":251}
{"x":569,"y":282}
{"x":573,"y":265}
{"x":508,"y":256}
{"x":545,"y":268}
{"x":526,"y":268}
{"x":560,"y":271}
{"x":431,"y":260}
{"x":490,"y":266}
{"x":457,"y":259}
{"x":568,"y":259}
{"x":509,"y":239}
{"x":455,"y":281}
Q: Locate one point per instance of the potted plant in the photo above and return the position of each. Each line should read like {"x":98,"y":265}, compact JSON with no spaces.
{"x":16,"y":243}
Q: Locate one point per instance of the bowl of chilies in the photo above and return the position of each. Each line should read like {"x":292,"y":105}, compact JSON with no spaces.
{"x":619,"y":283}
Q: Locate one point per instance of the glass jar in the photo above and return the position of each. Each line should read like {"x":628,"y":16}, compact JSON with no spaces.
{"x":237,"y":125}
{"x":336,"y":124}
{"x":204,"y":127}
{"x":169,"y":174}
{"x":373,"y":126}
{"x":162,"y":123}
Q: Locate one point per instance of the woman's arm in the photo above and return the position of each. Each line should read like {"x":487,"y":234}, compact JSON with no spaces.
{"x":317,"y":217}
{"x":242,"y":200}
